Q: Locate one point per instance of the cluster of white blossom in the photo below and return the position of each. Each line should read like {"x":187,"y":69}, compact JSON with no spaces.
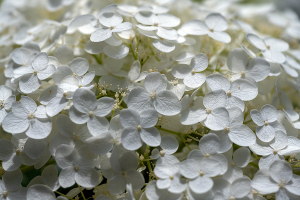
{"x":149,"y":100}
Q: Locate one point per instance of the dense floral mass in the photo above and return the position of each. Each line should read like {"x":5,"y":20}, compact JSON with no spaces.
{"x":149,"y":100}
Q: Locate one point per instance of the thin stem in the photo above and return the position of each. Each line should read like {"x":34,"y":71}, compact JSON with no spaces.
{"x":184,"y":142}
{"x":193,"y":138}
{"x":131,"y":49}
{"x":99,"y":60}
{"x":81,"y":192}
{"x":149,"y":164}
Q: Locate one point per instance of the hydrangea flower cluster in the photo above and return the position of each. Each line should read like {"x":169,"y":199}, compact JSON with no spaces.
{"x":149,"y":100}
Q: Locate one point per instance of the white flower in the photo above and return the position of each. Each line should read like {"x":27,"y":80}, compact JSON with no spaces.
{"x":238,"y":189}
{"x":281,"y":145}
{"x":290,"y":66}
{"x":112,"y":23}
{"x":271,"y":48}
{"x":40,"y":192}
{"x":155,"y":95}
{"x":49,"y":178}
{"x":214,"y":113}
{"x":31,"y":76}
{"x":27,"y":117}
{"x":154,"y":193}
{"x":240,"y":159}
{"x":190,"y":75}
{"x":238,"y":62}
{"x":12,"y":154}
{"x":169,"y":146}
{"x":238,"y":91}
{"x":169,"y":178}
{"x":213,"y":26}
{"x":139,"y":128}
{"x":267,"y":122}
{"x":6,"y":100}
{"x":87,"y":109}
{"x":122,"y":172}
{"x":77,"y":166}
{"x":200,"y":173}
{"x":55,"y":99}
{"x":135,"y":75}
{"x":278,"y":179}
{"x":209,"y":146}
{"x":11,"y":188}
{"x":235,"y":132}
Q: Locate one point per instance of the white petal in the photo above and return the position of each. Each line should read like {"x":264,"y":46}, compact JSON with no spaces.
{"x":79,"y":21}
{"x":148,"y":118}
{"x":167,"y":20}
{"x":218,"y":119}
{"x":35,"y":148}
{"x":64,"y":54}
{"x":39,"y":128}
{"x":100,"y":144}
{"x":155,"y":82}
{"x":276,"y":44}
{"x":215,"y":99}
{"x":101,"y":34}
{"x":117,"y":52}
{"x":56,"y":105}
{"x":131,"y":139}
{"x":104,"y":107}
{"x":40,"y":192}
{"x":94,"y":47}
{"x":169,"y":34}
{"x":192,"y":116}
{"x":20,"y":56}
{"x":190,"y":168}
{"x":29,"y":83}
{"x":46,"y":73}
{"x":169,"y":144}
{"x":195,"y":27}
{"x":216,"y":22}
{"x":280,"y":141}
{"x":79,"y":66}
{"x":269,"y":112}
{"x":87,"y":177}
{"x":97,"y":125}
{"x":110,"y":19}
{"x":237,"y":60}
{"x":209,"y":144}
{"x":167,"y":103}
{"x":163,"y":45}
{"x":14,"y":124}
{"x":201,"y":184}
{"x":139,"y":99}
{"x":243,"y":89}
{"x":258,"y":69}
{"x":67,"y":177}
{"x":136,"y":179}
{"x":241,"y":157}
{"x":61,"y":72}
{"x":263,"y":184}
{"x":129,"y":118}
{"x":122,"y":27}
{"x":49,"y":176}
{"x":240,"y":187}
{"x":256,"y":41}
{"x":218,"y":82}
{"x":265,"y":133}
{"x":242,"y":135}
{"x":220,"y":36}
{"x":281,"y":171}
{"x":151,"y":136}
{"x":194,"y":80}
{"x":84,"y":100}
{"x":40,"y":61}
{"x":117,"y":185}
{"x":180,"y":71}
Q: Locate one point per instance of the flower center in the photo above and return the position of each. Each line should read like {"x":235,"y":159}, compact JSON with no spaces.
{"x":2,"y":104}
{"x":207,"y":155}
{"x":171,"y":177}
{"x":243,"y":74}
{"x":65,"y":94}
{"x":227,"y":128}
{"x":266,"y":122}
{"x":208,"y":111}
{"x":139,"y":127}
{"x":76,"y":168}
{"x":275,"y":151}
{"x":211,"y":29}
{"x":35,"y":72}
{"x":112,"y":27}
{"x":201,"y":173}
{"x":228,"y":93}
{"x":155,"y":24}
{"x":91,"y":113}
{"x":153,"y":95}
{"x":30,"y":116}
{"x":231,"y":198}
{"x":80,"y":86}
{"x":75,"y":136}
{"x":123,"y":173}
{"x":5,"y":194}
{"x":162,"y":153}
{"x":18,"y":151}
{"x":193,"y":72}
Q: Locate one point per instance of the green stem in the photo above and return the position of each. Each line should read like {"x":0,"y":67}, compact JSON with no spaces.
{"x":81,"y":192}
{"x":131,"y":49}
{"x":184,"y":142}
{"x":98,"y":59}
{"x":149,"y":164}
{"x":192,"y":138}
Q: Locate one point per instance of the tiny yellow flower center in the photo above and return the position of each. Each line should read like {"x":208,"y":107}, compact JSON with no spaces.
{"x":139,"y":127}
{"x":208,"y":111}
{"x":228,"y":93}
{"x":162,"y":153}
{"x":243,"y":74}
{"x":193,"y":72}
{"x":266,"y":122}
{"x":76,"y":168}
{"x":91,"y":113}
